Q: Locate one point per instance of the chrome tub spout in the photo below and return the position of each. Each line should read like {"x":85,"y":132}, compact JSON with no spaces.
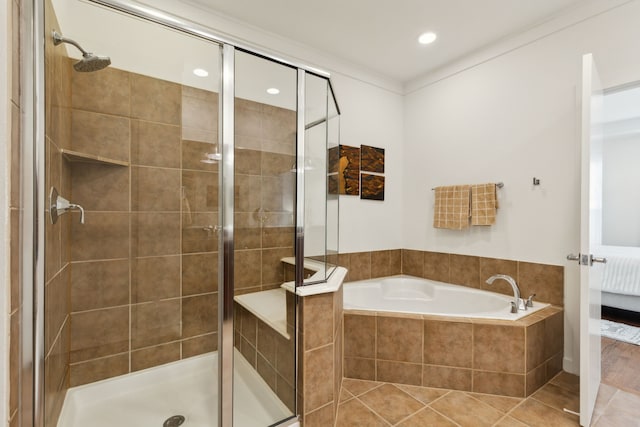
{"x":518,"y":303}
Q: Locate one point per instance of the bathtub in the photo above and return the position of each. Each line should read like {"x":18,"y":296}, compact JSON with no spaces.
{"x":407,"y":294}
{"x":406,"y":330}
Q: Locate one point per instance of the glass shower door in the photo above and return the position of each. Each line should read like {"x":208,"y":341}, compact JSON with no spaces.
{"x":264,"y":203}
{"x":131,"y":292}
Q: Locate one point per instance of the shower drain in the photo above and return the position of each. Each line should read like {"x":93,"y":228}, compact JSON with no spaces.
{"x":174,"y":421}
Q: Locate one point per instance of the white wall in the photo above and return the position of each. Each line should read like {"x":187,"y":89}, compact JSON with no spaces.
{"x":510,"y":118}
{"x":372,"y":114}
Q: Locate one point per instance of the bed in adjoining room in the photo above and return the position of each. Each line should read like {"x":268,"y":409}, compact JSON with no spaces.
{"x":621,"y":284}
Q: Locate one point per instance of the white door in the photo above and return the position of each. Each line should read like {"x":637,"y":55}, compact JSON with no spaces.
{"x":590,"y":238}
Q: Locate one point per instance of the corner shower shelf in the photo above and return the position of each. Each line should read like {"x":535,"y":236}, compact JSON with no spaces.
{"x":76,"y":156}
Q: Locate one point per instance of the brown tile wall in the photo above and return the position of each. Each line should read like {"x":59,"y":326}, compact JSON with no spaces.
{"x":13,"y":18}
{"x":152,"y":278}
{"x":484,"y":356}
{"x":271,"y":354}
{"x":406,"y":349}
{"x":546,"y":281}
{"x":320,"y":358}
{"x":57,"y":256}
{"x":264,"y":194}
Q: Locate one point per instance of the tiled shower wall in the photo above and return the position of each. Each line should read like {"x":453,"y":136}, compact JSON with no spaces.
{"x":264,"y":194}
{"x":57,"y":260}
{"x":544,"y":280}
{"x":15,"y":207}
{"x":144,"y":277}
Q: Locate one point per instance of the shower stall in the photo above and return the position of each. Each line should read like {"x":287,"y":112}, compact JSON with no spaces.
{"x":183,"y":195}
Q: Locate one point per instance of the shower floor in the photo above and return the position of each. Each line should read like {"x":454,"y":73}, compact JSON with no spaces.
{"x":187,"y":387}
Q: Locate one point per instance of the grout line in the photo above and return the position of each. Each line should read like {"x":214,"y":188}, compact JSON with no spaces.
{"x":548,"y":406}
{"x":443,"y":415}
{"x":412,"y":414}
{"x":371,"y":409}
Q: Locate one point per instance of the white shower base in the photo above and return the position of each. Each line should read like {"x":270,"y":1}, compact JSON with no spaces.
{"x":188,"y":387}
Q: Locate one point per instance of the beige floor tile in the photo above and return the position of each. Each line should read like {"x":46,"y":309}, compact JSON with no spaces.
{"x":354,"y":414}
{"x":567,"y":381}
{"x":558,"y":397}
{"x":466,"y":411}
{"x":391,"y":403}
{"x":501,"y":403}
{"x":427,"y":417}
{"x":345,"y":395}
{"x":509,"y":422}
{"x":537,"y":414}
{"x":423,"y":394}
{"x":358,"y":387}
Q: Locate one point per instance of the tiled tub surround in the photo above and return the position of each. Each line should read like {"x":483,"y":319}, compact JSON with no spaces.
{"x":320,"y":357}
{"x":544,"y":280}
{"x":510,"y":358}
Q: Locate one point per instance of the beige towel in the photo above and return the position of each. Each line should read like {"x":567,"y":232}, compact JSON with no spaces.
{"x":484,"y":202}
{"x":452,"y":207}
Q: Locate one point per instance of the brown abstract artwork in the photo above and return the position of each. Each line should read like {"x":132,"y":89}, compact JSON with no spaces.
{"x":349,"y":170}
{"x":334,"y":159}
{"x":371,"y":159}
{"x":372,"y":187}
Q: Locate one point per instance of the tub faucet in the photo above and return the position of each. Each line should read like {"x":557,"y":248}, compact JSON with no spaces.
{"x":518,"y":303}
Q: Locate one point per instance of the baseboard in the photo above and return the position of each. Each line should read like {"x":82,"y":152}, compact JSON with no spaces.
{"x":569,"y":366}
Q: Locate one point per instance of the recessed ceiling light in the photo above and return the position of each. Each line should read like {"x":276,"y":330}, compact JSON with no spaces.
{"x":427,"y":38}
{"x":200,"y":72}
{"x":273,"y":91}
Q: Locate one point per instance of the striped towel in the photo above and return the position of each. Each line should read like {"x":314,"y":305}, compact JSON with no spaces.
{"x":452,"y":207}
{"x":484,"y":202}
{"x":621,"y":276}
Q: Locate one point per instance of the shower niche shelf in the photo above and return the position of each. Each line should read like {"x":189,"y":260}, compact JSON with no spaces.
{"x":78,"y":157}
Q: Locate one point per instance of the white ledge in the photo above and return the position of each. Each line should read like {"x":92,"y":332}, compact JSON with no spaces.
{"x":269,"y":306}
{"x":332,"y":284}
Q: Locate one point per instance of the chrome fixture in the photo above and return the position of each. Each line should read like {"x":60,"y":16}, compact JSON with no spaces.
{"x":89,"y":62}
{"x":214,"y":157}
{"x":530,"y":300}
{"x":518,"y":303}
{"x":174,"y":421}
{"x":584,"y":259}
{"x":58,"y":205}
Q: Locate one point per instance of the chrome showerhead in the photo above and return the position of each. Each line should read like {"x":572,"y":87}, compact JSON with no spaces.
{"x":89,"y":62}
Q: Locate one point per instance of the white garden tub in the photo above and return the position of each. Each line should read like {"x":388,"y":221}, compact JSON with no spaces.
{"x":407,"y":294}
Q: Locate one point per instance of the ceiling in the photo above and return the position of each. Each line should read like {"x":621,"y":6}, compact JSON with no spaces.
{"x":382,"y":35}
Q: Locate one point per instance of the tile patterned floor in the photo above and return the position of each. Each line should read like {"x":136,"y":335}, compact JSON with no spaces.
{"x":370,"y":404}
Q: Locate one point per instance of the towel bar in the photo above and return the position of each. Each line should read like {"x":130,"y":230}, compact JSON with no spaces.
{"x":498,"y":184}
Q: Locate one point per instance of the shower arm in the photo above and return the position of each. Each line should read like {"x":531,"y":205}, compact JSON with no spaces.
{"x":57,"y":39}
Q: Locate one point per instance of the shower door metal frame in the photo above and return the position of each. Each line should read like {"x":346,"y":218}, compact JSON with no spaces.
{"x":226,"y":178}
{"x":33,"y":142}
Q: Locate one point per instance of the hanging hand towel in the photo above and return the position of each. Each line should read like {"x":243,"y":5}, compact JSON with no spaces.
{"x":484,"y":202}
{"x":452,"y":207}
